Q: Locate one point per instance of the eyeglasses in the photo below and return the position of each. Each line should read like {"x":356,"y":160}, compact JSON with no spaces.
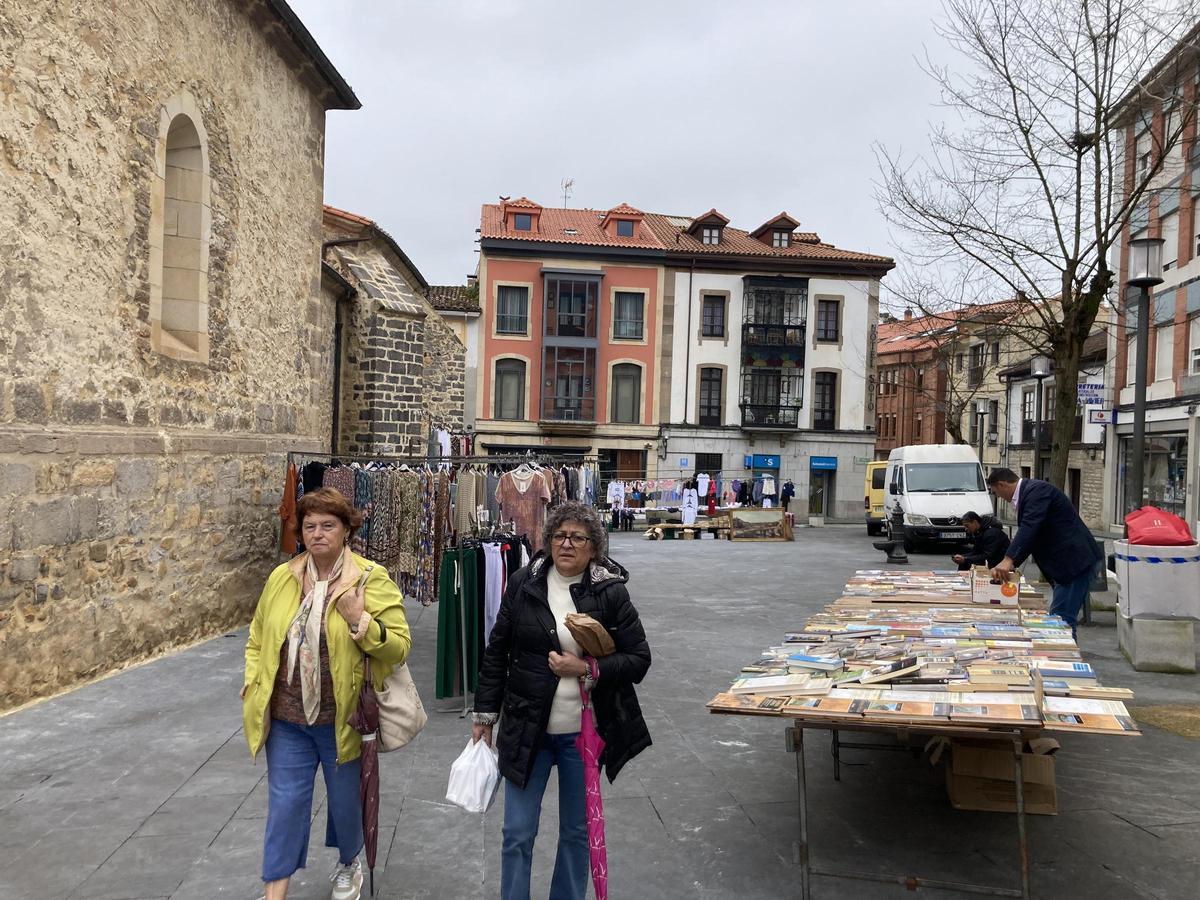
{"x":576,"y":540}
{"x":326,"y":527}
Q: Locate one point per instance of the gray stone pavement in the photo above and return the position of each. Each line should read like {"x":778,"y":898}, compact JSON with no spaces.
{"x":140,"y":786}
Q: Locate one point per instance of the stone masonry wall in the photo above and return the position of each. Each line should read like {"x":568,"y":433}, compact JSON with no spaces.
{"x":137,"y":492}
{"x":443,"y":374}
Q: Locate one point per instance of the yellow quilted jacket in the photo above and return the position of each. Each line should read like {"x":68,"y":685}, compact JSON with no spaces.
{"x":268,"y":631}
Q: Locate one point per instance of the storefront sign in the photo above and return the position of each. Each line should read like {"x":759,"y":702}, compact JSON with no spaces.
{"x":861,"y":460}
{"x":760,"y":461}
{"x":1102,"y":417}
{"x":1090,"y":392}
{"x":823,"y":463}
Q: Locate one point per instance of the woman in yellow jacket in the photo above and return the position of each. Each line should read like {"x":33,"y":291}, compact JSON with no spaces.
{"x":316,"y":617}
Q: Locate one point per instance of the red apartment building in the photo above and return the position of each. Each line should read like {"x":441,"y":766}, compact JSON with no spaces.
{"x":910,"y":402}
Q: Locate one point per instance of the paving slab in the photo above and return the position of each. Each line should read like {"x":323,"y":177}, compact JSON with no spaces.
{"x":140,"y":786}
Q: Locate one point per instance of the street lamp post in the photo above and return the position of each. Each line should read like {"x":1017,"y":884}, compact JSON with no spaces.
{"x":1145,"y":271}
{"x":981,"y":413}
{"x":1039,"y":368}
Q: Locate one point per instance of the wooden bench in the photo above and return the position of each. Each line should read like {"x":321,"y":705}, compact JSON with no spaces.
{"x":668,"y":530}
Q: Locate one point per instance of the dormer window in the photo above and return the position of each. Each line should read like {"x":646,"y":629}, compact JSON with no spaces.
{"x":624,"y":228}
{"x":522,"y":222}
{"x":710,"y":234}
{"x":781,"y":238}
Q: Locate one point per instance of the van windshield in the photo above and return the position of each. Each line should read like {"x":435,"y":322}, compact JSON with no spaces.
{"x":944,"y":477}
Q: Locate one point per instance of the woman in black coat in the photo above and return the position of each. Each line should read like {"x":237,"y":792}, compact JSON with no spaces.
{"x":530,"y":678}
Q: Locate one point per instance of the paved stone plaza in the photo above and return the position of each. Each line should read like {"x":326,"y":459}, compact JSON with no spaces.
{"x":140,"y":786}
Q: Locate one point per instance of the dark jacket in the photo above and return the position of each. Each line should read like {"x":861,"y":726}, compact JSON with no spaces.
{"x":990,"y":544}
{"x":1049,"y":529}
{"x":515,"y":678}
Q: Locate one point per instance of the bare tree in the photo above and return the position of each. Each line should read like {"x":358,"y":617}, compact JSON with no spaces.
{"x":1027,"y":197}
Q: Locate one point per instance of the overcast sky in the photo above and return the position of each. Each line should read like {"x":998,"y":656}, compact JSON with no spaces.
{"x":673,"y":107}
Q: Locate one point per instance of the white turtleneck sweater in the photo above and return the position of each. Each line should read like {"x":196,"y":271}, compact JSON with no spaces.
{"x":567,"y":708}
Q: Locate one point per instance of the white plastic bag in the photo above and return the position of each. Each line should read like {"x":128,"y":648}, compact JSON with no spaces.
{"x":474,"y":777}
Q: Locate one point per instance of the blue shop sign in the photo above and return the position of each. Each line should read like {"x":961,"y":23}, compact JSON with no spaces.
{"x":823,"y":463}
{"x":765,"y":462}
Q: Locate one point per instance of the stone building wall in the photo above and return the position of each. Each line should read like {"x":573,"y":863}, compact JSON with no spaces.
{"x":1091,"y":481}
{"x":138,"y":492}
{"x":443,"y":374}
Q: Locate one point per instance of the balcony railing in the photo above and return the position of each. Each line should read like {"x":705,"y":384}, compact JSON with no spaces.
{"x":759,"y":415}
{"x":1029,"y":431}
{"x":772,"y":335}
{"x":569,"y":409}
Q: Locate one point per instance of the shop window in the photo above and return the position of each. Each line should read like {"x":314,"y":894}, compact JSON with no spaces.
{"x":510,"y":389}
{"x":512,"y":310}
{"x":1165,"y":473}
{"x":626,"y":393}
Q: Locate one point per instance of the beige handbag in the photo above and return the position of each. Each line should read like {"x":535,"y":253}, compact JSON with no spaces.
{"x":401,"y":713}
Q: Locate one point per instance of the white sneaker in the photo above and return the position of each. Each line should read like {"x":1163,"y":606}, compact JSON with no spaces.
{"x":347,"y":881}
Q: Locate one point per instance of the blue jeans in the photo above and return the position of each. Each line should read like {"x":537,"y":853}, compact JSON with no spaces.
{"x":1069,"y":597}
{"x":293,"y":752}
{"x":523,"y":808}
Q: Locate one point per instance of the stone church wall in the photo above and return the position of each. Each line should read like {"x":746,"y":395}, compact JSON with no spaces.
{"x":138,"y":491}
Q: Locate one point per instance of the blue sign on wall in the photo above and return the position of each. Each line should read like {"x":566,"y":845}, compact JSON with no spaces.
{"x":761,"y":461}
{"x":823,"y":463}
{"x":748,"y":461}
{"x":683,"y":462}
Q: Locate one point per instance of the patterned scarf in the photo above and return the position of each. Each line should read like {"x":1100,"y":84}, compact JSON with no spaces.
{"x":304,"y":635}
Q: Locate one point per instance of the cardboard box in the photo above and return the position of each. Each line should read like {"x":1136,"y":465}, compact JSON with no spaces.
{"x":980,"y":775}
{"x":1006,"y":593}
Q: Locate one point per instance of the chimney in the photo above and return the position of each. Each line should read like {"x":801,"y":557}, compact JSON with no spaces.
{"x":908,"y":315}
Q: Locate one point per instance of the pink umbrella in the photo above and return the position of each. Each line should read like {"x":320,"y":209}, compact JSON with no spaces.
{"x":590,"y":746}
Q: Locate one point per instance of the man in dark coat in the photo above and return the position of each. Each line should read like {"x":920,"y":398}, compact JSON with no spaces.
{"x":1049,"y":529}
{"x":989,"y":542}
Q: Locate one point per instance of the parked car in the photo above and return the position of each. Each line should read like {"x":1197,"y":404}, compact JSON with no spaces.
{"x":929,"y":487}
{"x":873,"y":495}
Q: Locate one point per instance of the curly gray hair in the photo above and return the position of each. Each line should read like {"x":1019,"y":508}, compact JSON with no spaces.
{"x":573,"y":511}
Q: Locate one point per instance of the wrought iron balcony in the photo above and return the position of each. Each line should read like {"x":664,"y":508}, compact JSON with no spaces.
{"x":755,"y":334}
{"x":569,"y":409}
{"x":771,"y":416}
{"x":1029,"y":431}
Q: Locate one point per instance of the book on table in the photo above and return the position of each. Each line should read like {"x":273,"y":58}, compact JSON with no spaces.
{"x":781,"y":685}
{"x":995,"y":708}
{"x":819,"y":663}
{"x":888,"y":671}
{"x":1095,"y":716}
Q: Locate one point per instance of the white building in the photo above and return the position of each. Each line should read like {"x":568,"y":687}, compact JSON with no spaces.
{"x":768,"y":359}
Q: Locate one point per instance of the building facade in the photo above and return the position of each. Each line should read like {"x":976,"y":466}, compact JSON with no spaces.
{"x":1022,"y":419}
{"x":769,"y":367}
{"x":167,"y":326}
{"x":1169,"y":210}
{"x":570,"y":334}
{"x":911,"y":386}
{"x":672,"y":346}
{"x":400,"y":364}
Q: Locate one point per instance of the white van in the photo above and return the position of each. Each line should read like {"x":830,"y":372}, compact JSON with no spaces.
{"x":929,"y":487}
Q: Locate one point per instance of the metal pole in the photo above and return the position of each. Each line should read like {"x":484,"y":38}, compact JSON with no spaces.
{"x":1137,"y":451}
{"x":802,"y":797}
{"x":981,"y":417}
{"x":1037,"y":433}
{"x":1023,"y":841}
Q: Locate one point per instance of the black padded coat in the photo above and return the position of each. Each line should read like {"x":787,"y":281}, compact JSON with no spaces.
{"x":515,"y":679}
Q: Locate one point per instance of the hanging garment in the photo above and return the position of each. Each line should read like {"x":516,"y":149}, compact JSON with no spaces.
{"x":288,"y":526}
{"x":442,"y":525}
{"x":702,"y":484}
{"x":341,"y":479}
{"x":768,"y":485}
{"x":757,"y":492}
{"x":493,"y":586}
{"x":364,"y":502}
{"x":425,"y":580}
{"x":443,"y":442}
{"x":523,"y":498}
{"x":464,"y":503}
{"x":448,"y":666}
{"x":406,"y":505}
{"x":712,"y":501}
{"x":691,"y":502}
{"x":616,"y":494}
{"x":383,"y":539}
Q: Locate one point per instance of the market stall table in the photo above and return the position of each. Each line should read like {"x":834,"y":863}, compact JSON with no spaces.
{"x":908,"y":665}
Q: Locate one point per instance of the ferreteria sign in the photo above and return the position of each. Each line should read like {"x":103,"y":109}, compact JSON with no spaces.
{"x":1090,"y":392}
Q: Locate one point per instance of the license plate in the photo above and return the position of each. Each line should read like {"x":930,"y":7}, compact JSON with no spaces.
{"x":952,"y":535}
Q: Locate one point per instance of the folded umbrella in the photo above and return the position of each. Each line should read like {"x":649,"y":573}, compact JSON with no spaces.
{"x":591,"y":746}
{"x":365,"y":720}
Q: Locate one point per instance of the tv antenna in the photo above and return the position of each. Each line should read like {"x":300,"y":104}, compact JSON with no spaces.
{"x":568,"y":185}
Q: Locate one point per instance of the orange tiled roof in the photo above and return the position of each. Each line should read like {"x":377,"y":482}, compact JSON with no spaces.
{"x":770,"y":223}
{"x":624,"y":209}
{"x":564,"y":226}
{"x":928,"y":331}
{"x":522,"y":203}
{"x":711,"y":214}
{"x":736,"y":242}
{"x":348,"y":216}
{"x":583,"y":226}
